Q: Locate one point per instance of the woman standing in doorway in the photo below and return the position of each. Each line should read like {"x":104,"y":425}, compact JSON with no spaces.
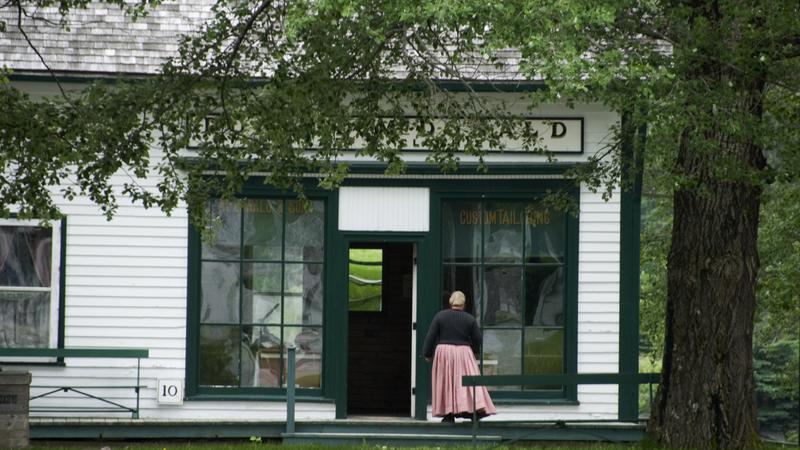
{"x":452,"y":339}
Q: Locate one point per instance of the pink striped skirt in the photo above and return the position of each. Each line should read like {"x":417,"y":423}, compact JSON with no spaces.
{"x":450,"y":363}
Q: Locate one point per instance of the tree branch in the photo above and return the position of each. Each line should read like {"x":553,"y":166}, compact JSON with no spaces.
{"x":234,"y":48}
{"x":20,"y":12}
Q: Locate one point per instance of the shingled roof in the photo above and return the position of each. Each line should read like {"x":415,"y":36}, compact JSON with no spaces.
{"x":102,"y":40}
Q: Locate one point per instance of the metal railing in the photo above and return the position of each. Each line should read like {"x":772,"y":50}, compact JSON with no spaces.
{"x":82,"y":391}
{"x":561,"y":379}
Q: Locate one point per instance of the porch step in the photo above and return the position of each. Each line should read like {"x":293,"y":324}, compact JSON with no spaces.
{"x":394,"y":439}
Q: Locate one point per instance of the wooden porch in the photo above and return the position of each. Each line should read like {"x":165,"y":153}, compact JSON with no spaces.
{"x":354,"y":430}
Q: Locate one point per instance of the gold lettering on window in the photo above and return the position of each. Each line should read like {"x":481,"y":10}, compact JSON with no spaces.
{"x":537,"y":217}
{"x":299,"y":207}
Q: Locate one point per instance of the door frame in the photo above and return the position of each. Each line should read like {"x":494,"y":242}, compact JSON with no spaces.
{"x":341,"y":291}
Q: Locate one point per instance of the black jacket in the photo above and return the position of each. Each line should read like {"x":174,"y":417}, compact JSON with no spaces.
{"x":455,"y":327}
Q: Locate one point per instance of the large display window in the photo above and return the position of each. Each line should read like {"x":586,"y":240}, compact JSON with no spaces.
{"x":261,"y":289}
{"x":508,"y":257}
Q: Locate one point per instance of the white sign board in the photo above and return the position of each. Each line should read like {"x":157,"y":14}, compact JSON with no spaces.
{"x":554,"y":135}
{"x":170,"y":392}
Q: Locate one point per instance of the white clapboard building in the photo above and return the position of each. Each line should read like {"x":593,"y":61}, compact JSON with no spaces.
{"x":350,"y":280}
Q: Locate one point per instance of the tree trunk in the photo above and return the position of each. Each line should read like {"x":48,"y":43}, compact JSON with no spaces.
{"x":707,"y":394}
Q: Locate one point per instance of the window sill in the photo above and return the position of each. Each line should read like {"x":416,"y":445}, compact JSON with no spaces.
{"x":258,"y":398}
{"x":21,"y":363}
{"x":536,"y":401}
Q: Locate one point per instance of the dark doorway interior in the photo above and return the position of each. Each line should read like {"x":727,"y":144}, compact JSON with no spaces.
{"x":379,"y":342}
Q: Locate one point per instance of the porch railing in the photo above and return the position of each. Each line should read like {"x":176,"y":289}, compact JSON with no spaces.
{"x":561,"y":379}
{"x":104,"y":404}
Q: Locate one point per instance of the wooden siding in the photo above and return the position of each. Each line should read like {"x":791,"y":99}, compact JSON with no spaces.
{"x":126,"y":287}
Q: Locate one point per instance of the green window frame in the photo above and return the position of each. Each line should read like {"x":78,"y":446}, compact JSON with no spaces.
{"x":516,"y":260}
{"x":259,"y":287}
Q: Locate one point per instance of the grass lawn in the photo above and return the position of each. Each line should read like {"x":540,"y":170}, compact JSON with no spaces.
{"x":246,"y":445}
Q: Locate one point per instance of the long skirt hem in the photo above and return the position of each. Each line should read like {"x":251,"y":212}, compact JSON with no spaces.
{"x":450,"y":363}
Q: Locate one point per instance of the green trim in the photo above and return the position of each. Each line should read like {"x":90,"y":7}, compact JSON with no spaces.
{"x":427,"y":307}
{"x":630,"y":224}
{"x":334,"y":384}
{"x":256,"y":190}
{"x":424,"y":168}
{"x":336,"y":311}
{"x":192,"y":312}
{"x":563,"y":379}
{"x":62,"y":283}
{"x":76,"y":352}
{"x":429,"y":269}
{"x":502,"y":87}
{"x":510,"y":431}
{"x":499,"y":86}
{"x":346,"y":239}
{"x":301,"y":396}
{"x":571,"y":297}
{"x":534,"y":401}
{"x":151,"y":430}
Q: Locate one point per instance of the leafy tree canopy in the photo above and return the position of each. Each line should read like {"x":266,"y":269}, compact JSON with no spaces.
{"x":285,"y":88}
{"x":283,"y":77}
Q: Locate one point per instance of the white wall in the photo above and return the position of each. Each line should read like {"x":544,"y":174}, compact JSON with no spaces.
{"x":126,"y":287}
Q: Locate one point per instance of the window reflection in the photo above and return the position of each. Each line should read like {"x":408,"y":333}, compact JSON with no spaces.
{"x":503,"y":232}
{"x":503,"y":304}
{"x":466,"y":279}
{"x":544,"y":289}
{"x":508,"y":256}
{"x":261,"y":290}
{"x":365,"y":279}
{"x":461,"y":237}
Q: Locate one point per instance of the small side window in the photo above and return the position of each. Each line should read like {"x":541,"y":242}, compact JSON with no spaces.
{"x":29,"y":284}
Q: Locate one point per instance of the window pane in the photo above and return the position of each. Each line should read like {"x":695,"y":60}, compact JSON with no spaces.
{"x":501,"y":354}
{"x":305,"y":230}
{"x":465,"y":279}
{"x":544,"y":235}
{"x":226,"y":222}
{"x":365,"y":279}
{"x":24,"y":319}
{"x":544,"y":353}
{"x":308,"y":363}
{"x":219,"y":355}
{"x":264,"y":349}
{"x":503,"y":299}
{"x":461,"y":233}
{"x":25,"y":256}
{"x":263,"y":229}
{"x":219,"y":296}
{"x":503,"y":232}
{"x":261,"y":302}
{"x":544,"y":292}
{"x":303,"y":294}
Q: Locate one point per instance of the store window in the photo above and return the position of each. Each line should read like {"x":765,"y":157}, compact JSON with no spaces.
{"x":29,"y":284}
{"x":508,"y":257}
{"x":261,"y":275}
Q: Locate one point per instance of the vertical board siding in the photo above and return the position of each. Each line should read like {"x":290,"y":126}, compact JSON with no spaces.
{"x":126,"y":287}
{"x":383,"y":209}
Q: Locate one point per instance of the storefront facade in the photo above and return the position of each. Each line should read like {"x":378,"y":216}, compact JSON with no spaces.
{"x":218,"y":313}
{"x":277,"y":274}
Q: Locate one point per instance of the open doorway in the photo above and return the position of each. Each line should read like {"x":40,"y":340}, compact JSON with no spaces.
{"x":379,"y":353}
